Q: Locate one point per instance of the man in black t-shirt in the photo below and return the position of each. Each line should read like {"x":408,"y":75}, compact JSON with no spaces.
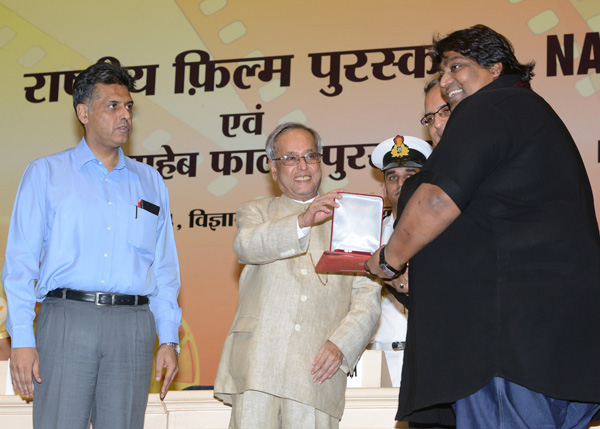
{"x":503,"y":323}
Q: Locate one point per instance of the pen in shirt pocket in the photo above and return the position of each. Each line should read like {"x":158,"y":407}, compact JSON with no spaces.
{"x":147,"y":206}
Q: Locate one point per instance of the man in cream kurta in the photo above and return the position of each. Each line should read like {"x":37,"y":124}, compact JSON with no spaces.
{"x":297,"y":333}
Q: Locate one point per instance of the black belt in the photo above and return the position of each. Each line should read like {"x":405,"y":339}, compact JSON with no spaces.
{"x":99,"y":298}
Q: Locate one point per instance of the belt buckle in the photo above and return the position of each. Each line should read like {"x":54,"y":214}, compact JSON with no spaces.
{"x":97,"y":299}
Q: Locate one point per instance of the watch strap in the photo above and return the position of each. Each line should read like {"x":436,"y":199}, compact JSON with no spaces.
{"x":387,"y":268}
{"x":174,"y":346}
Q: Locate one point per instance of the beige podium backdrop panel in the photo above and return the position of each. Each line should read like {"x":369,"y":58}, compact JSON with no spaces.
{"x":204,"y":109}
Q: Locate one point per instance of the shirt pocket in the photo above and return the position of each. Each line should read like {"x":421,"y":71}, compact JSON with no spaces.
{"x":142,"y":230}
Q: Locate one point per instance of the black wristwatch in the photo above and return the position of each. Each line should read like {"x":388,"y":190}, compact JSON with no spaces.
{"x":387,"y":269}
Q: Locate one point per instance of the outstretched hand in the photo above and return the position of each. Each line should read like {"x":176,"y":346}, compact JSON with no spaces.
{"x":320,"y":209}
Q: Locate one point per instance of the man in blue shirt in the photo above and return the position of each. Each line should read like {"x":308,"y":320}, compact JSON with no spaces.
{"x":91,"y":237}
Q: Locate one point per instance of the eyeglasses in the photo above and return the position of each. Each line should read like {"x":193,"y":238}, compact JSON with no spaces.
{"x":309,"y":158}
{"x":443,"y":111}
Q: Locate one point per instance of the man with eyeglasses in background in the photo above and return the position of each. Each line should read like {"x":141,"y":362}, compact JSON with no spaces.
{"x":437,"y":111}
{"x":297,"y":333}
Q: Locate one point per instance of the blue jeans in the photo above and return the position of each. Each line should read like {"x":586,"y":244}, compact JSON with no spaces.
{"x":503,"y":404}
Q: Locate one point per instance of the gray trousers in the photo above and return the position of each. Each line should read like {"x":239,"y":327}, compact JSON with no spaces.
{"x":95,"y":364}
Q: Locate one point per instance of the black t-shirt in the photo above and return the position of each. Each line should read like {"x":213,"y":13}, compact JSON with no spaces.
{"x":512,"y":287}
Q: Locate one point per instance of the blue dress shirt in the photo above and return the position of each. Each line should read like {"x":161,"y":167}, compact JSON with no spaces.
{"x":76,"y":225}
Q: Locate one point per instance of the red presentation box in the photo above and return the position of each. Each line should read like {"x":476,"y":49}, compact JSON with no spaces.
{"x":355,"y":234}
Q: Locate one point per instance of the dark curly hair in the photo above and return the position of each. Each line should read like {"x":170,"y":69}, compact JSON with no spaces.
{"x":484,"y":45}
{"x":84,"y":88}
